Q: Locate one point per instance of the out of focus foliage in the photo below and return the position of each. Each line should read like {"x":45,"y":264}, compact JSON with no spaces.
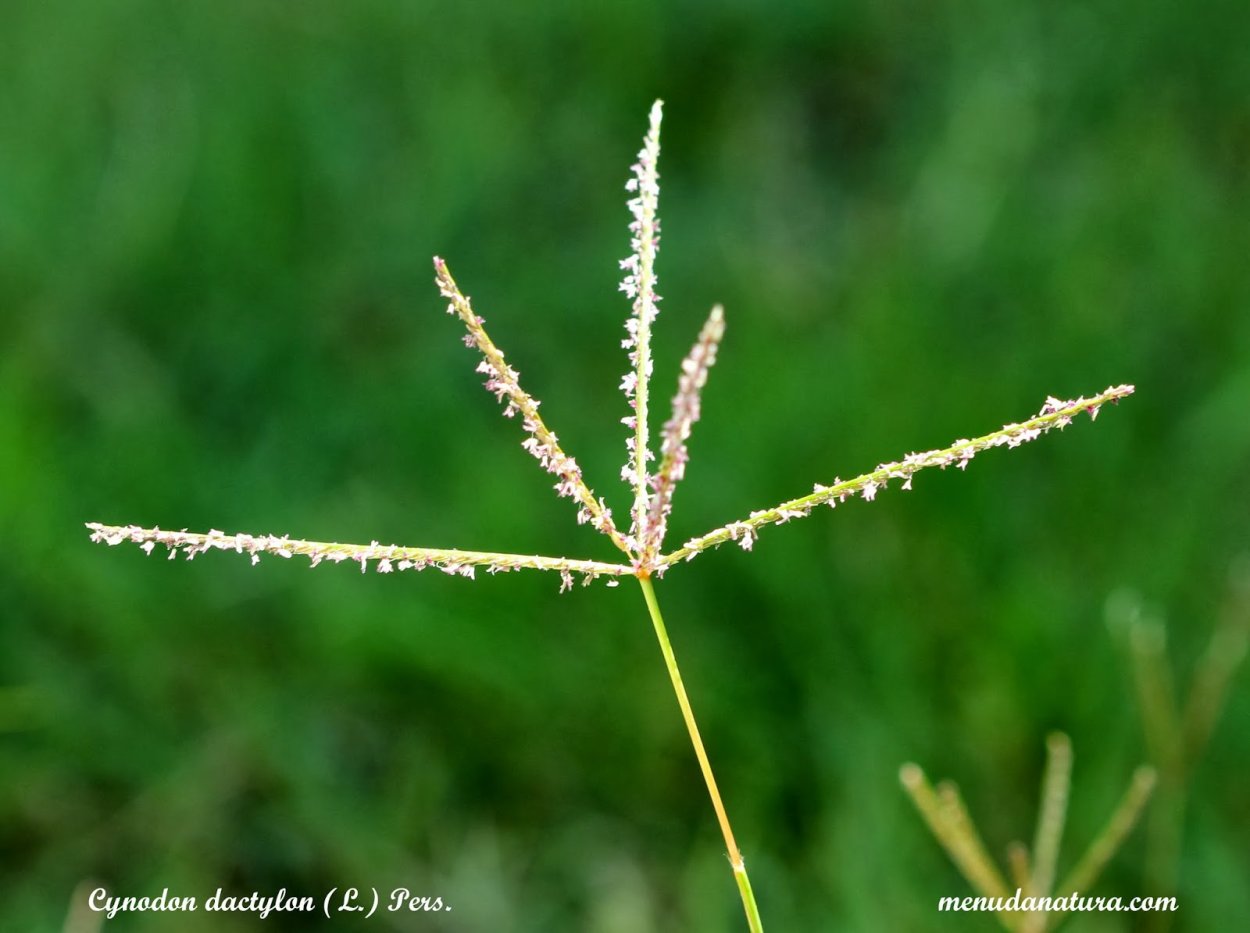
{"x":216,"y":223}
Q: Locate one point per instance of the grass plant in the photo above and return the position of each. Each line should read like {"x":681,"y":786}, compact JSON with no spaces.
{"x":652,"y":482}
{"x":1177,"y":734}
{"x":1032,"y":871}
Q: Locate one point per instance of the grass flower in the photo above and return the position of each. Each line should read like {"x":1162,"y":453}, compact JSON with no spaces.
{"x":642,"y":546}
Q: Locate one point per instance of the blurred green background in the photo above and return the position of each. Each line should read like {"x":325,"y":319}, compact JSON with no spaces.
{"x":216,"y":224}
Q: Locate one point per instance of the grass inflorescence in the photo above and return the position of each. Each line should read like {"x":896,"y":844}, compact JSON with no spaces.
{"x":641,"y":544}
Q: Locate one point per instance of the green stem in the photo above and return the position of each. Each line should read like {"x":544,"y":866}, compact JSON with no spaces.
{"x":670,"y":661}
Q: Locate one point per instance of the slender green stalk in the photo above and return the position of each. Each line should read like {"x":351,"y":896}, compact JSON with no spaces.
{"x":1056,"y":782}
{"x":948,"y":819}
{"x":1121,"y":823}
{"x":1178,"y":734}
{"x":674,"y":673}
{"x":1018,"y":862}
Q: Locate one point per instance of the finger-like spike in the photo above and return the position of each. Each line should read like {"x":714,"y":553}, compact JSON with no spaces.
{"x":639,"y":285}
{"x":542,"y":443}
{"x":1054,"y":414}
{"x":386,"y":558}
{"x":686,"y":410}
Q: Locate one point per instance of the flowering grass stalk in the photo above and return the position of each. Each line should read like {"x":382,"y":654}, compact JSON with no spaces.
{"x":652,"y":493}
{"x":1177,"y":732}
{"x":1032,"y":872}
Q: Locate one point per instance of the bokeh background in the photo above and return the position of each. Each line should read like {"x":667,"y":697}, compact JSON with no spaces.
{"x":216,"y":224}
